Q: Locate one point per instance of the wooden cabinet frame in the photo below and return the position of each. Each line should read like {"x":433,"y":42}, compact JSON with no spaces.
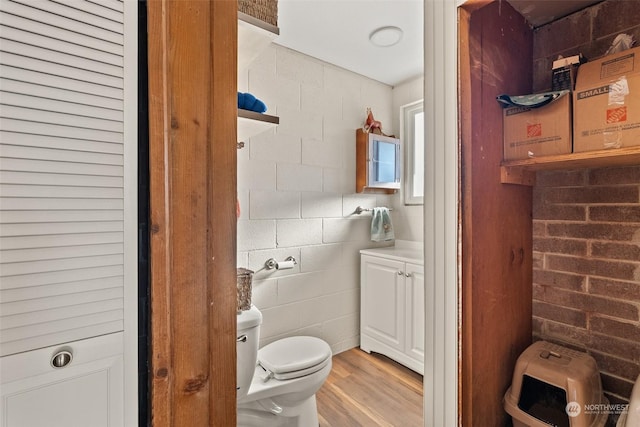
{"x":192,"y":146}
{"x":495,"y":51}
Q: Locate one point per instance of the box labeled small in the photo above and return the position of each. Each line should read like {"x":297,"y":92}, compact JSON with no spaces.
{"x":537,"y":132}
{"x":606,"y":103}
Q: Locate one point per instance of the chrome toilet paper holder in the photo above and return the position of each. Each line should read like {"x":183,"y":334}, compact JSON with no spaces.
{"x":271,"y":263}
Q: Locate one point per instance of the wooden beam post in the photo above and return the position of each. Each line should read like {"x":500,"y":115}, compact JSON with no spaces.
{"x":192,"y":108}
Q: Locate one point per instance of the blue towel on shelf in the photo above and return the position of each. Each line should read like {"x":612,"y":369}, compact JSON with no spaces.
{"x":247,"y":101}
{"x":381,"y":228}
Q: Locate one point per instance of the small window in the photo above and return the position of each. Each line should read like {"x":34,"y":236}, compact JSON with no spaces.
{"x":413,"y":123}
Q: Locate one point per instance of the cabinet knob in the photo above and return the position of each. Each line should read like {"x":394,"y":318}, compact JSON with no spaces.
{"x":400,"y":273}
{"x":408,"y":274}
{"x":61,"y":359}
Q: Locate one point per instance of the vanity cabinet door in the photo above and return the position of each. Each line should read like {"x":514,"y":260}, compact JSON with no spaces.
{"x":414,"y":277}
{"x":85,"y":392}
{"x":383,"y":299}
{"x":392,"y":320}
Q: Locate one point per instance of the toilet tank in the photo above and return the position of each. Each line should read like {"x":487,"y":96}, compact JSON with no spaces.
{"x":247,"y":347}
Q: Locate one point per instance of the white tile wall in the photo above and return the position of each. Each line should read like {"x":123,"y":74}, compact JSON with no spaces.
{"x":299,"y":177}
{"x":321,"y":257}
{"x":301,"y":69}
{"x":321,"y":153}
{"x":344,"y":278}
{"x":265,"y":63}
{"x":298,"y":232}
{"x":327,"y":307}
{"x":332,"y":180}
{"x":282,"y":93}
{"x":321,"y":204}
{"x":264,"y":293}
{"x":301,"y":287}
{"x":307,"y":124}
{"x":347,"y":229}
{"x":317,"y":100}
{"x":342,"y":328}
{"x":297,"y":190}
{"x":280,"y":319}
{"x":242,"y":258}
{"x":274,"y":204}
{"x":254,"y":235}
{"x":256,"y":174}
{"x":348,"y":83}
{"x":280,"y":148}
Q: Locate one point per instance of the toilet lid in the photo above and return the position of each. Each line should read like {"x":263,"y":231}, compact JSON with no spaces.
{"x":294,"y":357}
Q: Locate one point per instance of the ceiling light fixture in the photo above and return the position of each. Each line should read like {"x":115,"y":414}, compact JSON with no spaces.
{"x":386,"y":36}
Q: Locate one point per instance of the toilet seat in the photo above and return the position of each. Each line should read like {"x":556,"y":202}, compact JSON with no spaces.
{"x":294,"y":357}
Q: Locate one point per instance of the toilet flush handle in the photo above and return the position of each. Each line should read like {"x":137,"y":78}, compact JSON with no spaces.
{"x":242,"y":338}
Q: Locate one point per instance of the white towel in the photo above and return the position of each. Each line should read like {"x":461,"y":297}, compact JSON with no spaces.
{"x":381,"y":228}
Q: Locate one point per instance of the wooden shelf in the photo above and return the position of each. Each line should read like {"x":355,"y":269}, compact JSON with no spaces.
{"x":254,"y":36}
{"x":251,"y":123}
{"x":523,"y":171}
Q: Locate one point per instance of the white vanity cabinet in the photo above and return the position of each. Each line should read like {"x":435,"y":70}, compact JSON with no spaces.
{"x":392,"y":304}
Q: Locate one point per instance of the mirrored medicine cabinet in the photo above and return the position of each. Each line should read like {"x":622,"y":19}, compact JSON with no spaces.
{"x":377,"y":162}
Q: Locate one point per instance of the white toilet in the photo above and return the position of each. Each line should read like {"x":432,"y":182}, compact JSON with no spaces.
{"x":277,"y":384}
{"x":632,"y":417}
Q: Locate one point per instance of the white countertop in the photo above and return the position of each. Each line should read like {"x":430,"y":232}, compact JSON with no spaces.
{"x":403,"y":250}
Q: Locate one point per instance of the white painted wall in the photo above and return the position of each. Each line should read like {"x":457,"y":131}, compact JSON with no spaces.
{"x":409,"y":219}
{"x":296,"y":186}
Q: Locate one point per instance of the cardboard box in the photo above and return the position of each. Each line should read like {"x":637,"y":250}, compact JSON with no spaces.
{"x":564,"y":71}
{"x":537,"y":132}
{"x":606,"y":103}
{"x":564,"y":78}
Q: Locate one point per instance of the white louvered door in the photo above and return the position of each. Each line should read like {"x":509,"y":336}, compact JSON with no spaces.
{"x":68,"y":203}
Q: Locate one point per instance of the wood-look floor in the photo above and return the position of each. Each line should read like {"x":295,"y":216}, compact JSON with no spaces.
{"x":369,"y":390}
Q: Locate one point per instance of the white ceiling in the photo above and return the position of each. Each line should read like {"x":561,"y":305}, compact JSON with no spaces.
{"x":337,"y":31}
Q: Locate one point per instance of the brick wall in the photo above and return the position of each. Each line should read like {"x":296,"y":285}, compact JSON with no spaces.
{"x":586,"y":242}
{"x":586,"y":290}
{"x":589,"y":32}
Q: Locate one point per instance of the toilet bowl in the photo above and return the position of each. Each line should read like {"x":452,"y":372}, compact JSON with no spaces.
{"x":277,"y":384}
{"x":631,"y":418}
